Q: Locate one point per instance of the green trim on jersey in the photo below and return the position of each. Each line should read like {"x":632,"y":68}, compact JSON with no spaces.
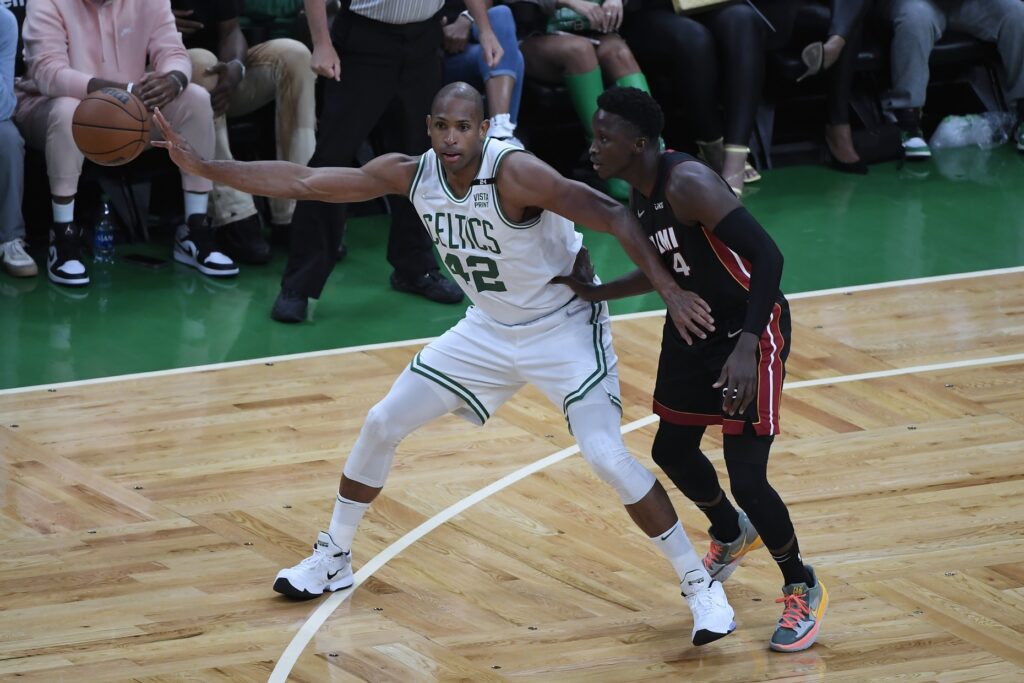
{"x":444,"y":179}
{"x":497,"y":197}
{"x":420,"y":368}
{"x":616,"y":400}
{"x":416,"y":178}
{"x":602,"y":363}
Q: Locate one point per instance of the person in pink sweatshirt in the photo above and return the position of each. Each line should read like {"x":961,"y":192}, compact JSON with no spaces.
{"x":74,"y":47}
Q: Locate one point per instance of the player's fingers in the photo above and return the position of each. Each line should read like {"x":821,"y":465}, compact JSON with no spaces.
{"x":218,"y":68}
{"x":723,"y":378}
{"x":696,"y":329}
{"x":684,"y":334}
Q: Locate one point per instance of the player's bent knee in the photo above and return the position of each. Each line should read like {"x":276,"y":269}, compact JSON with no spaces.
{"x":615,"y":465}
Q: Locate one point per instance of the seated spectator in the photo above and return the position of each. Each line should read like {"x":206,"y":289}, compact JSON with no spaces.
{"x":836,"y":56}
{"x":464,"y":61}
{"x":13,"y":258}
{"x":715,"y":59}
{"x":918,"y":24}
{"x":241,"y":79}
{"x":74,"y":48}
{"x":575,"y":42}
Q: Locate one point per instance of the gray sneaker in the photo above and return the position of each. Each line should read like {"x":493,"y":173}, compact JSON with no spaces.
{"x":722,"y":559}
{"x":802,"y":615}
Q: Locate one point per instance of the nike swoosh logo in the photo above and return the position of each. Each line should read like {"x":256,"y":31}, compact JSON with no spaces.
{"x":733,"y":334}
{"x":669,"y":533}
{"x":331,"y":576}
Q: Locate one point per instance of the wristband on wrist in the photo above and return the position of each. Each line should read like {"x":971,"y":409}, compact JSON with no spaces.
{"x":240,"y":66}
{"x":465,"y":13}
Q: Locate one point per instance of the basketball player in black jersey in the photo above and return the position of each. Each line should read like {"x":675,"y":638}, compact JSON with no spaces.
{"x":731,"y":375}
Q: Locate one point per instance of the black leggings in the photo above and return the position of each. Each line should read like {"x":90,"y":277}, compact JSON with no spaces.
{"x":805,"y":27}
{"x":677,"y":452}
{"x":712,"y":57}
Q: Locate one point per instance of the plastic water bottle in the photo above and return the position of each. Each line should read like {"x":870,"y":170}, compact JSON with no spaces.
{"x":103,"y":235}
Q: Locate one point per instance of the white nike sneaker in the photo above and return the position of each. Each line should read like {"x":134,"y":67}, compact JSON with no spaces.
{"x":329,"y":568}
{"x":713,"y":617}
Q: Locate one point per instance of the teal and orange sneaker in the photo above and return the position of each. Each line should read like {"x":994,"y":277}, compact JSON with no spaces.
{"x":802,"y":615}
{"x":722,"y":559}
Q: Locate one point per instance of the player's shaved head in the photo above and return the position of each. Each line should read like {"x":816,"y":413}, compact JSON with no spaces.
{"x":462,"y":91}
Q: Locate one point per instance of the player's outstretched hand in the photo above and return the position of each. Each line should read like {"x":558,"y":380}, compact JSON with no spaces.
{"x":177,"y":147}
{"x":738,"y":380}
{"x":690,"y":313}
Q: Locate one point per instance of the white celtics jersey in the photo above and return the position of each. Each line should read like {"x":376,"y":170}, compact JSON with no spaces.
{"x":504,"y":267}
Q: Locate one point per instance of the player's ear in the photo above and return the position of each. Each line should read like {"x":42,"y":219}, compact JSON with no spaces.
{"x":428,"y":125}
{"x":484,"y":126}
{"x":640,"y":144}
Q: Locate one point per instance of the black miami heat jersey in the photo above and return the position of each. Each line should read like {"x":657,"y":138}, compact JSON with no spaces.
{"x":684,"y":393}
{"x":699,"y":261}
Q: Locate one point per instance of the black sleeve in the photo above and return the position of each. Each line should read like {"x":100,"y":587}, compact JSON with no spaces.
{"x":743,"y":234}
{"x":227,"y":10}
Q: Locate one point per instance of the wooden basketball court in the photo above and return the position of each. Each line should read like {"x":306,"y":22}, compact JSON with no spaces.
{"x":142,"y":521}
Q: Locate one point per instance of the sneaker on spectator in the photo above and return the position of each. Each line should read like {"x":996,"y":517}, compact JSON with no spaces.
{"x":243,"y":241}
{"x":194,"y":245}
{"x":289,"y":307}
{"x":15,"y":260}
{"x":914,"y":146}
{"x":64,"y":263}
{"x":503,"y":129}
{"x":431,"y":285}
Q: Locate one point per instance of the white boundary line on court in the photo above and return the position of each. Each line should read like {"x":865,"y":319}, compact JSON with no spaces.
{"x":301,"y":639}
{"x":412,"y":342}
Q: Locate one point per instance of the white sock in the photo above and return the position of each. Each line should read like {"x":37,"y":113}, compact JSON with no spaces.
{"x":345,"y":520}
{"x":196,"y":202}
{"x":676,"y":546}
{"x":63,"y":213}
{"x":501,"y":126}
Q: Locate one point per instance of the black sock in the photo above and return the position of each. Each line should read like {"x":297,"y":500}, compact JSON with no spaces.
{"x":909,"y":120}
{"x":725,"y":521}
{"x":791,"y":564}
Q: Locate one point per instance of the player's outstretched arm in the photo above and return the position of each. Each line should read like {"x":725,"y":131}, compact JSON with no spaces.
{"x":388,"y":174}
{"x":582,"y":281}
{"x":527,"y":181}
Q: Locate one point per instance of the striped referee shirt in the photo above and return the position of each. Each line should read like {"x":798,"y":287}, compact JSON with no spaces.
{"x":397,"y":11}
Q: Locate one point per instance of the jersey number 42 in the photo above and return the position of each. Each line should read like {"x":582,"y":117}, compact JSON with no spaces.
{"x":483,"y":270}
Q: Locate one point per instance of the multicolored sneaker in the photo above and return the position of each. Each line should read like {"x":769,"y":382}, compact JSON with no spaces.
{"x":722,"y":559}
{"x":914,"y":146}
{"x":802,"y":615}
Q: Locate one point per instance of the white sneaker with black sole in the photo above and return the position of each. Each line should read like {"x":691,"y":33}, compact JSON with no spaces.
{"x":64,"y":259}
{"x":329,"y":568}
{"x":195,"y":246}
{"x":713,"y":617}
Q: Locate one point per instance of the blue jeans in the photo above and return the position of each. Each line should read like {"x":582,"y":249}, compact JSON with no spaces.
{"x":469,"y":65}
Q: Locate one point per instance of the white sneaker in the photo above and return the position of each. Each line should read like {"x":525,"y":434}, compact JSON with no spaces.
{"x":713,"y":617}
{"x":15,"y":259}
{"x":329,"y":568}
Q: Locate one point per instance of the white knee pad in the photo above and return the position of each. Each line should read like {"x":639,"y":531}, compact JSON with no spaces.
{"x":374,"y":450}
{"x":613,"y":463}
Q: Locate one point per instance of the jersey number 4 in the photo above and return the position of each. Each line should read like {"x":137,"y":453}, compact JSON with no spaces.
{"x":483,"y":270}
{"x":679,"y":264}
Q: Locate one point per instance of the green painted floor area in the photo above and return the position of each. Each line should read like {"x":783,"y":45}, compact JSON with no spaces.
{"x":960,"y":212}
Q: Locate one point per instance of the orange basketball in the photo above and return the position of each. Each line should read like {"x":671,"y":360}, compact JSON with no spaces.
{"x":110,"y":126}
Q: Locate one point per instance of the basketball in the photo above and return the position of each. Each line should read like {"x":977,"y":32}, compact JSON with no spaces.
{"x":110,"y":127}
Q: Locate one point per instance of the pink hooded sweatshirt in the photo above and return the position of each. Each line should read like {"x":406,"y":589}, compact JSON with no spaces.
{"x":70,"y":42}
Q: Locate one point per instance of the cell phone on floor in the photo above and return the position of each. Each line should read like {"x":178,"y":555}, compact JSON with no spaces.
{"x":145,"y":261}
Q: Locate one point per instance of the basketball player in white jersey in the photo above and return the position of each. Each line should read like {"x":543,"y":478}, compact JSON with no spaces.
{"x":502,"y":221}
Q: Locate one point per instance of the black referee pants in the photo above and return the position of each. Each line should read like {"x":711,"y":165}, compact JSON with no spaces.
{"x":389,"y":75}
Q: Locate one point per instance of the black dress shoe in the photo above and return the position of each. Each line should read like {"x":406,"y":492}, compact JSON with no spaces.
{"x":289,"y":307}
{"x":243,"y":241}
{"x":431,"y":285}
{"x":855,"y":167}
